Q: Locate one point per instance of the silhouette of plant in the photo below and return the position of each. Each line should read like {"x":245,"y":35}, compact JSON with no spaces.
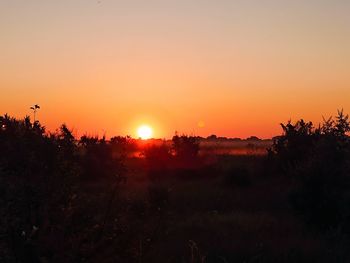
{"x":34,"y":108}
{"x":294,"y":144}
{"x":38,"y":184}
{"x":318,"y":160}
{"x":123,"y":146}
{"x":185,"y":147}
{"x":43,"y":206}
{"x":157,"y":153}
{"x":98,"y":161}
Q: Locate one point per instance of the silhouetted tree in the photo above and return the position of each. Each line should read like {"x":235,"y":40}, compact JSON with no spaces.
{"x":212,"y":137}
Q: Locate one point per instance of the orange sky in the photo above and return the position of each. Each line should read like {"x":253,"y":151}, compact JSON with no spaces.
{"x":231,"y":68}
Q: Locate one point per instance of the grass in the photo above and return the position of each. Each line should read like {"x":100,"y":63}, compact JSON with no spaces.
{"x":205,"y":220}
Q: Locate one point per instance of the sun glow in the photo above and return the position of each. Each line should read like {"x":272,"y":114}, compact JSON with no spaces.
{"x":144,"y":132}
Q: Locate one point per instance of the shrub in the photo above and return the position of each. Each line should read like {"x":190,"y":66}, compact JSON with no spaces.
{"x":185,"y":147}
{"x":98,"y":160}
{"x":38,"y":178}
{"x":318,"y":160}
{"x":45,"y":214}
{"x":158,"y":157}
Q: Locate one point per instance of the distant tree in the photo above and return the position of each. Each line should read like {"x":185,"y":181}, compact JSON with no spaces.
{"x":253,"y":138}
{"x":342,"y":125}
{"x":212,"y":137}
{"x":223,"y":139}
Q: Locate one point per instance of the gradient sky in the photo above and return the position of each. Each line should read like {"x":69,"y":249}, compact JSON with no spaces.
{"x":225,"y":67}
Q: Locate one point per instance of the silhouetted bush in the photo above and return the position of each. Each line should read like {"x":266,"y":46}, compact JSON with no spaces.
{"x":41,"y":193}
{"x":157,"y":153}
{"x":122,"y":147}
{"x":98,"y":160}
{"x":38,"y":176}
{"x":294,"y":145}
{"x":158,"y":158}
{"x":318,"y":161}
{"x":60,"y":198}
{"x":185,"y":147}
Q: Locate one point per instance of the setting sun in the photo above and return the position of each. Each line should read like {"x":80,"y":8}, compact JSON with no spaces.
{"x":144,"y":132}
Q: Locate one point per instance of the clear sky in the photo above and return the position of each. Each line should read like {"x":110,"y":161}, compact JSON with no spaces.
{"x":225,"y":67}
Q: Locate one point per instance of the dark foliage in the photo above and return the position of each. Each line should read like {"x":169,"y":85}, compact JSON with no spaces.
{"x":182,"y":155}
{"x":317,"y":159}
{"x":294,"y":145}
{"x":185,"y":147}
{"x":98,"y":160}
{"x":61,"y":199}
{"x":157,"y":156}
{"x":121,"y":146}
{"x":42,"y":198}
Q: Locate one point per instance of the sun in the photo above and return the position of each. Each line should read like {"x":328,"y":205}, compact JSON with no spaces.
{"x":144,"y":132}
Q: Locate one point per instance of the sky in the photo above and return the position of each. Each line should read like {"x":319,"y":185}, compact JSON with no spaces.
{"x":224,"y":67}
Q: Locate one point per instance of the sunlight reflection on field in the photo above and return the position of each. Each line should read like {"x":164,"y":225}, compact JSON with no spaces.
{"x":242,"y":147}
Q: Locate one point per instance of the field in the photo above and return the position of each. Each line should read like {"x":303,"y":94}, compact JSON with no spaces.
{"x":241,"y":147}
{"x":228,"y":211}
{"x":213,"y":147}
{"x":188,"y":200}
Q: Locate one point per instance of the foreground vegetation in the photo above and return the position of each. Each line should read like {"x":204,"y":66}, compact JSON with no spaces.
{"x":88,"y":200}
